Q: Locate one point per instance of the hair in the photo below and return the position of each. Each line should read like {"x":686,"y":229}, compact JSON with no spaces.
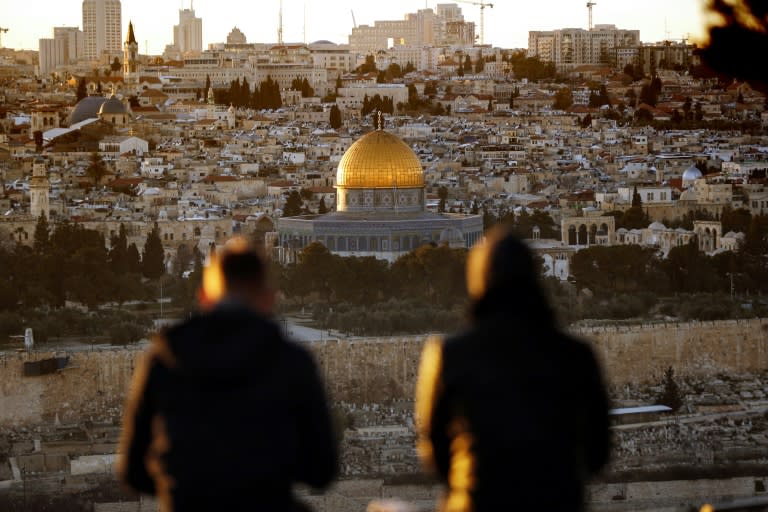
{"x":243,"y":269}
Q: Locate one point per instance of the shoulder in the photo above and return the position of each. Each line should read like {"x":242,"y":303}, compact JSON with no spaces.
{"x":299,"y":353}
{"x":159,"y":352}
{"x":462,"y":345}
{"x":576,"y":347}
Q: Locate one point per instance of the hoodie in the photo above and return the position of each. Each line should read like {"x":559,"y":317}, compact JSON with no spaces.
{"x":223,"y":406}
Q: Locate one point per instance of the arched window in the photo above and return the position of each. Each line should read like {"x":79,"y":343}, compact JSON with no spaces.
{"x":582,"y":235}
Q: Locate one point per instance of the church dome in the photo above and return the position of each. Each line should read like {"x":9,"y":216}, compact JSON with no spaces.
{"x":379,"y":160}
{"x":86,"y":108}
{"x":112,"y":106}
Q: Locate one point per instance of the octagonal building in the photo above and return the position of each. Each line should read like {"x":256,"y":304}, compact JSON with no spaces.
{"x":379,"y":208}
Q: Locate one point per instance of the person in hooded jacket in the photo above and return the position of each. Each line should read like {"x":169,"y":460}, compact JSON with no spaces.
{"x":512,"y":413}
{"x":224,"y":412}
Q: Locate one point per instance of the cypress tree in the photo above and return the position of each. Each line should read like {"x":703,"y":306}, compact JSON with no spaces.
{"x":42,"y":237}
{"x":82,"y":90}
{"x":118,"y":254}
{"x":153,"y":260}
{"x":133,"y":260}
{"x":334,"y":117}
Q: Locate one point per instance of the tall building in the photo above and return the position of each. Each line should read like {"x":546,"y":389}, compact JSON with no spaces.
{"x":102,"y":28}
{"x":188,"y":34}
{"x":445,"y":26}
{"x":72,"y":41}
{"x":49,"y":56}
{"x":451,"y":28}
{"x":541,"y":44}
{"x":569,"y":47}
{"x":65,"y":48}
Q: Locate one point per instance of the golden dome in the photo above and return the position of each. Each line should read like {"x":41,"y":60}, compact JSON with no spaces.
{"x":379,"y":160}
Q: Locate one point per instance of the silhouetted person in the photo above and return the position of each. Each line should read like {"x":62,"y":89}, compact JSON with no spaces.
{"x":512,"y":414}
{"x":224,"y":413}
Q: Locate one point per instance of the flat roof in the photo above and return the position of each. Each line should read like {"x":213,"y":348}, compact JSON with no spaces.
{"x":639,"y":410}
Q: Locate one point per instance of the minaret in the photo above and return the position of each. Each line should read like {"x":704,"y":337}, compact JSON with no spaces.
{"x":130,"y":58}
{"x":39,"y":187}
{"x":211,"y":107}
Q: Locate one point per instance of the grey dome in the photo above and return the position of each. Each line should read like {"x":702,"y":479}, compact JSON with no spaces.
{"x":86,"y":108}
{"x":692,"y":173}
{"x":112,"y":106}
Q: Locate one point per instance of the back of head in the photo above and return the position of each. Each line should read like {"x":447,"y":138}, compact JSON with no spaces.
{"x":243,"y":270}
{"x":237,"y":274}
{"x":502,"y":277}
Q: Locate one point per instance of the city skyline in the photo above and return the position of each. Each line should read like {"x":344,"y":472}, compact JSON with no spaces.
{"x":506,"y":25}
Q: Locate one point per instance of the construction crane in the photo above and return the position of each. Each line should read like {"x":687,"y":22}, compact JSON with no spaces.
{"x":482,"y":5}
{"x":589,"y":8}
{"x":354,"y":23}
{"x":3,"y":30}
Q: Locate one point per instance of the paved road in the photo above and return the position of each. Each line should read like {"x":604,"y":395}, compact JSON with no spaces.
{"x":299,"y":332}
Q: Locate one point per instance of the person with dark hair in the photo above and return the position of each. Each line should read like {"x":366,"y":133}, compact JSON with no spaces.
{"x":224,"y":413}
{"x":512,"y":413}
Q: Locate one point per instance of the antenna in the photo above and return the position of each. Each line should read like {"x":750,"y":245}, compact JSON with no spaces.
{"x":305,"y":22}
{"x":280,"y":27}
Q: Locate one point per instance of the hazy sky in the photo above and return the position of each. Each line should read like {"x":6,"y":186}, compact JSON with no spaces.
{"x":506,"y":25}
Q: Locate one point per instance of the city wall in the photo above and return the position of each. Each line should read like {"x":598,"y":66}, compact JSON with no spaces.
{"x":93,"y":385}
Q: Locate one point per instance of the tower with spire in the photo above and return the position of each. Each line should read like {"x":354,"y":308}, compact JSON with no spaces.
{"x":130,"y":57}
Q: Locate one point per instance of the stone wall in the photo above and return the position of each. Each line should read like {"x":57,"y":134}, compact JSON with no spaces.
{"x":640,"y":353}
{"x":380,"y":370}
{"x":91,"y":388}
